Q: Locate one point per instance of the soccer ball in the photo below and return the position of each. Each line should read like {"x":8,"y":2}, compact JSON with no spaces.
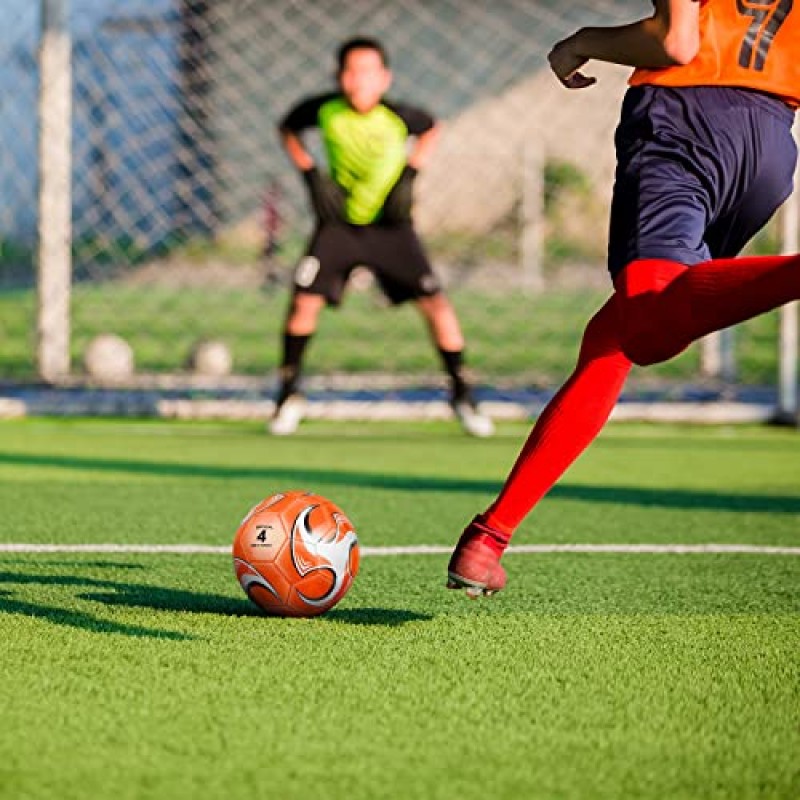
{"x":109,"y":359}
{"x":295,"y":554}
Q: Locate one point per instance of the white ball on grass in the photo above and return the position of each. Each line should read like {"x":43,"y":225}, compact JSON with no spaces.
{"x":211,"y":359}
{"x":108,"y":358}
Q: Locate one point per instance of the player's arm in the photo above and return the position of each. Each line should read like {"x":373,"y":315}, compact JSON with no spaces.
{"x":301,"y":117}
{"x":670,"y":36}
{"x":425,"y":131}
{"x":295,"y":149}
{"x":423,"y":146}
{"x":326,"y":196}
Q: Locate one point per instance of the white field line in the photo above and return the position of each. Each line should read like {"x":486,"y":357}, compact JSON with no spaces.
{"x":423,"y":549}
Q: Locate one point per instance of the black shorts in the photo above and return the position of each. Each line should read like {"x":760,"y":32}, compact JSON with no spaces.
{"x":700,"y":170}
{"x":394,"y":254}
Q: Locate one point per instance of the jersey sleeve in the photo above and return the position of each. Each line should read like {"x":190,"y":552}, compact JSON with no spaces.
{"x":416,"y":120}
{"x":304,"y":114}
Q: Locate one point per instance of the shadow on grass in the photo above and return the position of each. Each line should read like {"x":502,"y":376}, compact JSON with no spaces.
{"x":79,"y":619}
{"x":160,"y":598}
{"x":321,"y":478}
{"x":119,"y":594}
{"x":177,"y":600}
{"x":386,"y":617}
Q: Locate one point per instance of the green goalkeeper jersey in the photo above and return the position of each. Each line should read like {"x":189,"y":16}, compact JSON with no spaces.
{"x":366,"y":152}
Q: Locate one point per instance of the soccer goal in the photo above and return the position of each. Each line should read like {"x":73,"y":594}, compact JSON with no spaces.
{"x":148,"y":202}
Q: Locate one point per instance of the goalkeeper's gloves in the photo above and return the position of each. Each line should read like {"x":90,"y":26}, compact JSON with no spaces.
{"x":327,"y":197}
{"x":398,"y":203}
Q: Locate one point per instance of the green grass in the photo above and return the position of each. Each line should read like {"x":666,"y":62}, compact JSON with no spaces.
{"x":592,"y":676}
{"x":509,"y":336}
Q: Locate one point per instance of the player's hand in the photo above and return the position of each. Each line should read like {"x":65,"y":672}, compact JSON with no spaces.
{"x":566,"y":64}
{"x":399,"y":201}
{"x":327,"y":197}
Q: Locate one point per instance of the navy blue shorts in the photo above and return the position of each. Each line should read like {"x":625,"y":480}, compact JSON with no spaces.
{"x":700,"y":170}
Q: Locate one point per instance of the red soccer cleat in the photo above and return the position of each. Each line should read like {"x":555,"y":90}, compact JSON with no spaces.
{"x":475,"y":565}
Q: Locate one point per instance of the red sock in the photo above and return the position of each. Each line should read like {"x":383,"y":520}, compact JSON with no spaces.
{"x":659,"y":309}
{"x":665,"y":306}
{"x":572,"y":419}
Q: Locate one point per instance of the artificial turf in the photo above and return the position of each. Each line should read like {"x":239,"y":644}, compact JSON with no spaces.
{"x":594,"y":675}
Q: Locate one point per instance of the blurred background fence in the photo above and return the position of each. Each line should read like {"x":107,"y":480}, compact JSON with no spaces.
{"x":179,"y":219}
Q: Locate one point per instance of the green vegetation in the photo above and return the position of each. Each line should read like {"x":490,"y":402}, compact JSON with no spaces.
{"x":14,"y":253}
{"x":560,"y":178}
{"x":593,"y":676}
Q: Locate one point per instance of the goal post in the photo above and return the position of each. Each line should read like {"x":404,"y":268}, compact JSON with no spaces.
{"x":146,"y":132}
{"x":788,"y":403}
{"x":54,"y":262}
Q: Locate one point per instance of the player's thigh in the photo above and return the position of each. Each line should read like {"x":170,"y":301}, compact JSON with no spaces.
{"x":659,"y":210}
{"x":400,"y":264}
{"x":761,"y":190}
{"x":331,"y":255}
{"x":699,"y":171}
{"x":663,"y":198}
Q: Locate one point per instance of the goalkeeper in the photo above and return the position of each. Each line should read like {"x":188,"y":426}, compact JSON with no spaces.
{"x":362,"y":207}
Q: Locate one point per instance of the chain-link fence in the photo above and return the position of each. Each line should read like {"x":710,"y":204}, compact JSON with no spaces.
{"x":187,"y":218}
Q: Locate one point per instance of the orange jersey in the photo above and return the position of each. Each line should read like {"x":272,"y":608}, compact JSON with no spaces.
{"x":754,"y":44}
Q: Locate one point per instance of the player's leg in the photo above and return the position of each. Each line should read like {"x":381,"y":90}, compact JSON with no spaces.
{"x":301,"y":323}
{"x":647,"y":176}
{"x":569,"y":423}
{"x":665,"y":306}
{"x":659,"y":324}
{"x":319,"y":280}
{"x":663,"y":203}
{"x":445,"y":332}
{"x":404,"y":273}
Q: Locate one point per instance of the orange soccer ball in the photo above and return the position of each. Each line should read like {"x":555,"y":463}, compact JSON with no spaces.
{"x":295,"y":554}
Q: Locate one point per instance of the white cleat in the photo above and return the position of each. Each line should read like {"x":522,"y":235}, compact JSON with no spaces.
{"x":288,"y":416}
{"x":472,"y":420}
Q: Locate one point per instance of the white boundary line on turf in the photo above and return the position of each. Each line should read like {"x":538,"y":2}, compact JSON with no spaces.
{"x":200,"y":549}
